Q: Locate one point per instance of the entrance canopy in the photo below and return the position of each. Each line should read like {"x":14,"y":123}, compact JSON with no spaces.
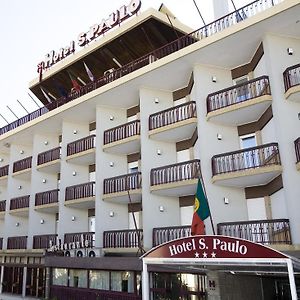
{"x":220,"y":253}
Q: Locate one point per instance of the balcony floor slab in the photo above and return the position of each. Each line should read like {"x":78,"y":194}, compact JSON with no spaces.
{"x":20,"y":212}
{"x":298,"y":166}
{"x":82,"y":203}
{"x":124,"y":147}
{"x":3,"y":180}
{"x":23,"y":174}
{"x":83,"y":158}
{"x":51,"y":208}
{"x":51,"y":167}
{"x":293,"y":94}
{"x":122,"y":197}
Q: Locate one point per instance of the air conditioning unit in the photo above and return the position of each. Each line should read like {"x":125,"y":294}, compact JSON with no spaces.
{"x":108,"y":72}
{"x":69,"y":253}
{"x":95,"y":252}
{"x":80,"y":253}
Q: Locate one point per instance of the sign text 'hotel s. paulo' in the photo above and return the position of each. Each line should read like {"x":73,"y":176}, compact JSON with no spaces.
{"x":114,"y":19}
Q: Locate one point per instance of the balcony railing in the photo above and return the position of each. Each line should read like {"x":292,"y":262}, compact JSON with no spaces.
{"x":48,"y":156}
{"x":17,"y":242}
{"x":250,"y":158}
{"x":78,"y":191}
{"x":61,"y":292}
{"x":22,"y":164}
{"x":122,"y":183}
{"x":174,"y":173}
{"x":122,"y":132}
{"x":47,"y":197}
{"x":297,"y":149}
{"x":239,"y":93}
{"x":4,"y":171}
{"x":173,"y":115}
{"x":166,"y":234}
{"x":260,"y":231}
{"x":208,"y":30}
{"x":19,"y":202}
{"x":43,"y":241}
{"x":291,"y":76}
{"x":81,"y":145}
{"x":80,"y":237}
{"x":3,"y":205}
{"x":1,"y":243}
{"x":123,"y":238}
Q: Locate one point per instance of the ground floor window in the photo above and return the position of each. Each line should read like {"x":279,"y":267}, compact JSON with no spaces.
{"x":60,"y":277}
{"x":78,"y":278}
{"x":35,"y":282}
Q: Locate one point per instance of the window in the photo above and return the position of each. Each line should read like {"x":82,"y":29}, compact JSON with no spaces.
{"x":78,"y":278}
{"x":248,"y":141}
{"x":249,"y":159}
{"x":60,"y":277}
{"x":99,"y":280}
{"x":242,"y":91}
{"x":122,"y":282}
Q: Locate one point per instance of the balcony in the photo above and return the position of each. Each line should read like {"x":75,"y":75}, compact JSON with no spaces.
{"x":123,"y":139}
{"x":122,"y":240}
{"x":291,"y":78}
{"x":297,"y":150}
{"x":3,"y":175}
{"x":81,"y":195}
{"x":119,"y":189}
{"x":43,"y":241}
{"x":174,"y":124}
{"x":2,"y":209}
{"x":175,"y":180}
{"x":17,"y":243}
{"x":49,"y":161}
{"x":247,"y":167}
{"x":240,"y":104}
{"x":80,"y":237}
{"x":82,"y":151}
{"x":166,"y":234}
{"x":266,"y":232}
{"x":47,"y":202}
{"x":19,"y":206}
{"x":22,"y":168}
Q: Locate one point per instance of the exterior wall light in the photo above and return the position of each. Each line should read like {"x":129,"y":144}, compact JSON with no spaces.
{"x":73,"y":218}
{"x":74,"y":173}
{"x":17,"y":224}
{"x":46,"y":143}
{"x":19,"y":187}
{"x":161,"y":208}
{"x":290,"y":51}
{"x":226,"y":200}
{"x":1,"y":159}
{"x":44,"y":180}
{"x":75,"y":131}
{"x":159,"y":152}
{"x":156,"y":100}
{"x":21,"y":151}
{"x":111,"y":214}
{"x":111,"y":164}
{"x":219,"y":136}
{"x":214,"y":79}
{"x":111,"y":118}
{"x":42,"y":221}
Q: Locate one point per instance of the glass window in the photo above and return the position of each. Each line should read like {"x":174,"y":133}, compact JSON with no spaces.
{"x":122,"y":281}
{"x":99,"y":280}
{"x":60,"y":277}
{"x":78,"y":278}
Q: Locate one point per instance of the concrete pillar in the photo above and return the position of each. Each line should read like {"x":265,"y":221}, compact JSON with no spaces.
{"x":268,"y":205}
{"x":47,"y":285}
{"x":1,"y":278}
{"x":213,"y":286}
{"x":24,"y":282}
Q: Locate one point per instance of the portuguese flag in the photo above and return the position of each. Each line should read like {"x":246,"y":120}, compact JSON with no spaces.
{"x":201,"y":211}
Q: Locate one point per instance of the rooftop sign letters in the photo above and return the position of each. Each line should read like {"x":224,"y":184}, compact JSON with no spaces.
{"x":59,"y":246}
{"x":212,"y":246}
{"x":114,"y":19}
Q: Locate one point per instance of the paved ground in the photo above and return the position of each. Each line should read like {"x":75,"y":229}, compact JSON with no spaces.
{"x":10,"y":297}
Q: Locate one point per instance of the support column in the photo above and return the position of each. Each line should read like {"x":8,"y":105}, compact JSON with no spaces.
{"x":24,"y":282}
{"x":1,"y":278}
{"x":145,"y":285}
{"x":292,"y":279}
{"x":47,"y":285}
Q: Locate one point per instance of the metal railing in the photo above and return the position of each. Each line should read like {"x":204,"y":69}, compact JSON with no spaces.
{"x":43,"y":241}
{"x":244,"y":159}
{"x":4,"y":171}
{"x":78,"y":191}
{"x":122,"y":183}
{"x":123,"y":238}
{"x":47,"y":197}
{"x":275,"y":231}
{"x":19,"y":202}
{"x":79,"y":237}
{"x":238,"y":93}
{"x":210,"y":29}
{"x":291,"y":76}
{"x":177,"y":172}
{"x":165,"y":234}
{"x":48,"y":156}
{"x":22,"y":164}
{"x":3,"y":205}
{"x":122,"y":132}
{"x":297,"y":149}
{"x":62,"y":292}
{"x":17,"y":242}
{"x":173,"y":115}
{"x":81,"y":145}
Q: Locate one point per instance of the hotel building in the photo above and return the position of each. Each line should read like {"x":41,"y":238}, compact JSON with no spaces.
{"x":106,"y":171}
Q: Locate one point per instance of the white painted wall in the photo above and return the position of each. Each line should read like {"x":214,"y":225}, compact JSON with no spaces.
{"x":256,"y":209}
{"x":268,"y":134}
{"x":278,"y":205}
{"x":260,"y":69}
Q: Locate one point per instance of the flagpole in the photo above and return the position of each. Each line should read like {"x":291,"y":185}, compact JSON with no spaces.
{"x":205,"y":194}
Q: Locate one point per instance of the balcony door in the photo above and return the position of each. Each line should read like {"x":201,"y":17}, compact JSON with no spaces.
{"x":248,"y":159}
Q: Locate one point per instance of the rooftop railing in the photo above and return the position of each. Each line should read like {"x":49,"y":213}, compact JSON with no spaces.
{"x":19,"y":202}
{"x":210,"y":29}
{"x":165,"y":234}
{"x":48,"y":156}
{"x":4,"y":171}
{"x":122,"y":183}
{"x":123,"y":238}
{"x":291,"y":76}
{"x":43,"y":241}
{"x":275,"y":231}
{"x":80,"y":237}
{"x":81,"y":145}
{"x":122,"y":132}
{"x":177,"y":172}
{"x":3,"y":205}
{"x":173,"y":115}
{"x":47,"y":197}
{"x":22,"y":164}
{"x":297,"y":149}
{"x":245,"y":159}
{"x":78,"y":191}
{"x":239,"y":93}
{"x":17,"y":242}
